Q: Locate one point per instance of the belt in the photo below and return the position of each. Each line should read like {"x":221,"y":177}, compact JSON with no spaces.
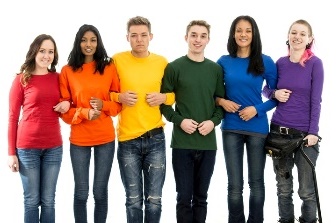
{"x":152,"y":133}
{"x":286,"y":131}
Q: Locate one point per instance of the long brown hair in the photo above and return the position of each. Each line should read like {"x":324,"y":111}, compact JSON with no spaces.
{"x":29,"y":65}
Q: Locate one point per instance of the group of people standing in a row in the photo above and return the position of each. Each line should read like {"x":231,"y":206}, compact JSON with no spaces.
{"x":193,"y":92}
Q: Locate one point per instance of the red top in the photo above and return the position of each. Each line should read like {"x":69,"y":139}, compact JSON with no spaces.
{"x":39,"y":126}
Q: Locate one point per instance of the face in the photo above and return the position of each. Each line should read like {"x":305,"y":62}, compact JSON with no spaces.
{"x":138,"y":36}
{"x":45,"y":55}
{"x":243,"y":34}
{"x":197,"y":39}
{"x":89,"y":45}
{"x":299,"y":36}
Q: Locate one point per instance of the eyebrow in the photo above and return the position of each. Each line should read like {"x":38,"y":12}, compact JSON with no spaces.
{"x":200,"y":33}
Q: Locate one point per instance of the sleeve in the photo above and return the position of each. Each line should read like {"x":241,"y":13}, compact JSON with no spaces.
{"x":111,"y":107}
{"x":220,"y":92}
{"x":168,"y":85}
{"x":271,"y":78}
{"x":316,"y":96}
{"x":74,"y":115}
{"x":170,"y":98}
{"x":16,"y":96}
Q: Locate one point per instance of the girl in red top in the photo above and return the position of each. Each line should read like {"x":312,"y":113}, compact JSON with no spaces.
{"x":35,"y":142}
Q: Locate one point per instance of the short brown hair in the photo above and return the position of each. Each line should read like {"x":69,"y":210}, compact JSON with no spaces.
{"x":139,"y":20}
{"x":198,"y":23}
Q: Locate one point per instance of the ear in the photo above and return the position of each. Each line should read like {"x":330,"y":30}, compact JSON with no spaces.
{"x":186,"y":38}
{"x":127,"y":37}
{"x":150,"y":36}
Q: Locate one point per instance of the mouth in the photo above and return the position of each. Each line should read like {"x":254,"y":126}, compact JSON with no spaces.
{"x":88,"y":50}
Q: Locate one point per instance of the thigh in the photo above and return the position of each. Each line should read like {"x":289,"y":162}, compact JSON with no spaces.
{"x":50,"y":168}
{"x":103,"y":159}
{"x":305,"y":163}
{"x":129,"y":156}
{"x":30,"y":163}
{"x":154,"y":165}
{"x":233,"y":145}
{"x":256,"y":157}
{"x":80,"y":160}
{"x":183,"y":167}
{"x":204,"y":167}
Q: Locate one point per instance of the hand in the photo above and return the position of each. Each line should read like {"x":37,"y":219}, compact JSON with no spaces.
{"x":94,"y":114}
{"x":155,"y":99}
{"x":229,"y":106}
{"x":13,"y":163}
{"x":206,"y":127}
{"x":128,"y":98}
{"x":311,"y":140}
{"x":282,"y":95}
{"x":189,"y":125}
{"x":247,"y":113}
{"x":62,"y":107}
{"x":96,"y":103}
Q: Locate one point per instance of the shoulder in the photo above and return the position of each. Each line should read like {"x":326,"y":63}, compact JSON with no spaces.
{"x":267,"y":58}
{"x":315,"y":59}
{"x":121,"y":54}
{"x":158,"y":58}
{"x":225,"y":59}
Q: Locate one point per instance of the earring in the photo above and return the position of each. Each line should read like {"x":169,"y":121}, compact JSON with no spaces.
{"x":308,"y":46}
{"x":287,"y":43}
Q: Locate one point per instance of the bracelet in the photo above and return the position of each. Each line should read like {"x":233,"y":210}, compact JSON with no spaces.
{"x":273,"y":94}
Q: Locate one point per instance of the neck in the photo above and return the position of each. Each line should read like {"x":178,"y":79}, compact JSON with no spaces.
{"x":140,"y":54}
{"x":243,"y":52}
{"x":41,"y":71}
{"x":295,"y":56}
{"x":196,"y":57}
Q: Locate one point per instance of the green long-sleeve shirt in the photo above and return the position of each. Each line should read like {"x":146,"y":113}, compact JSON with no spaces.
{"x":196,"y":85}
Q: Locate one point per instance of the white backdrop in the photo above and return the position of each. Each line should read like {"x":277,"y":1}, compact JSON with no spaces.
{"x":21,"y":21}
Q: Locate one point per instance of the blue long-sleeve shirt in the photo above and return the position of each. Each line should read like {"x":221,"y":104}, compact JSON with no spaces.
{"x":303,"y":108}
{"x":246,"y":89}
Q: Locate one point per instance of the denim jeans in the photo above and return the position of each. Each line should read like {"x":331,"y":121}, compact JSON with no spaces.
{"x":39,"y":169}
{"x":142,"y":164}
{"x":306,"y":185}
{"x":193,"y":170}
{"x":80,"y":159}
{"x":233,"y":144}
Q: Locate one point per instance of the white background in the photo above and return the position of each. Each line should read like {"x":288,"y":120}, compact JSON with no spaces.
{"x":21,"y":21}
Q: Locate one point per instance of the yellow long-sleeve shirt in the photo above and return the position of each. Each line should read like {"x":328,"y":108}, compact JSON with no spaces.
{"x":141,"y":75}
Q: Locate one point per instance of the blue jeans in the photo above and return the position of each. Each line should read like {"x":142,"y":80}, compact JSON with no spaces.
{"x":233,"y":144}
{"x":39,"y":169}
{"x":80,"y":159}
{"x":306,"y":185}
{"x":193,"y":170}
{"x":142,"y":164}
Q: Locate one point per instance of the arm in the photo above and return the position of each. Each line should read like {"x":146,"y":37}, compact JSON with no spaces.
{"x":168,"y":86}
{"x":271,"y":78}
{"x":73,"y":115}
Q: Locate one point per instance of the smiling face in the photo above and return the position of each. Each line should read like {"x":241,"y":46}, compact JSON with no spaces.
{"x":197,"y":39}
{"x":45,"y":56}
{"x":243,"y":34}
{"x":89,"y":45}
{"x":299,"y":36}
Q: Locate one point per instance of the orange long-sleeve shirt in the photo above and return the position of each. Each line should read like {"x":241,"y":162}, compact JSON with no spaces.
{"x":78,"y":87}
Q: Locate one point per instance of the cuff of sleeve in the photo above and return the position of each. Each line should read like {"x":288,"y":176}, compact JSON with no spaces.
{"x":114,"y":96}
{"x":170,"y":99}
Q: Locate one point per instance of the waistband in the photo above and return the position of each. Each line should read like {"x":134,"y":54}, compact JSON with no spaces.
{"x":152,"y":133}
{"x":286,"y":131}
